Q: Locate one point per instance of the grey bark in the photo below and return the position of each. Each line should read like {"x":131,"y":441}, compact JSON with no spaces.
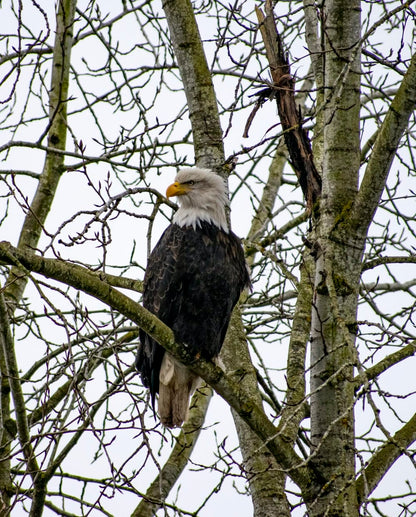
{"x":337,"y":272}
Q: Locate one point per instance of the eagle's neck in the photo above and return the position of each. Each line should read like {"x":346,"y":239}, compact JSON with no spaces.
{"x":214,"y":214}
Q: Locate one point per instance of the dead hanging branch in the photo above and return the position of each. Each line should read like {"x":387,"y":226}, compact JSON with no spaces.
{"x":283,"y":90}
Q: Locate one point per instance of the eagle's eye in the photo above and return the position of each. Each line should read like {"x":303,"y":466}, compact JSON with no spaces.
{"x":190,"y":182}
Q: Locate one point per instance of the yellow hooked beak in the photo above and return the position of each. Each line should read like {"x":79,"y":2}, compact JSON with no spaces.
{"x":176,"y":189}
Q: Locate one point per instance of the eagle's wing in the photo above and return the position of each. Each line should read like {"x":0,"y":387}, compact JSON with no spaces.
{"x":161,"y":290}
{"x":193,"y":281}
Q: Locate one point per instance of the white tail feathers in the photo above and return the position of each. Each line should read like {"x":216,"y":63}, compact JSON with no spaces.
{"x":176,"y":385}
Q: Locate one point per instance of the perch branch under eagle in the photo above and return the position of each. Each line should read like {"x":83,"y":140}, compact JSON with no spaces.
{"x":194,"y":278}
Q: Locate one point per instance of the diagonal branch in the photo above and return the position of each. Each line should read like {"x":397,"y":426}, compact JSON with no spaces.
{"x":235,"y":395}
{"x":384,"y":364}
{"x":384,"y":151}
{"x":384,"y":458}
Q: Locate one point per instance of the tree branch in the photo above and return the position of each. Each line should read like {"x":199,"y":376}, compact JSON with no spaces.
{"x":296,"y":138}
{"x":197,"y":82}
{"x":384,"y":151}
{"x":384,"y":364}
{"x":178,"y":459}
{"x":241,"y":401}
{"x":12,"y":374}
{"x":388,"y":260}
{"x":56,"y":131}
{"x":384,"y":458}
{"x":265,"y":476}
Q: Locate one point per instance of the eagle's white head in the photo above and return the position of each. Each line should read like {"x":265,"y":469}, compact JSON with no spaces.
{"x":202,"y":196}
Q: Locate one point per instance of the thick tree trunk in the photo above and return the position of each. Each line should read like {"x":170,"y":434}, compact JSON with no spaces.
{"x":337,"y":274}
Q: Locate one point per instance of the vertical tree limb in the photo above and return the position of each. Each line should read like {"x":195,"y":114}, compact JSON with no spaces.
{"x":314,"y":42}
{"x":266,"y":478}
{"x":293,"y":411}
{"x":56,"y":131}
{"x":7,"y":424}
{"x":338,"y":270}
{"x":30,"y":234}
{"x":268,"y":198}
{"x":11,"y":373}
{"x":197,"y":83}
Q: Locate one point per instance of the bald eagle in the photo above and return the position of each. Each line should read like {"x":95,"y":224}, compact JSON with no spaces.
{"x":194,"y":277}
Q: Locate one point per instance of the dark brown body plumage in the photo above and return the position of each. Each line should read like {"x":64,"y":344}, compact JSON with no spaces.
{"x":193,"y":280}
